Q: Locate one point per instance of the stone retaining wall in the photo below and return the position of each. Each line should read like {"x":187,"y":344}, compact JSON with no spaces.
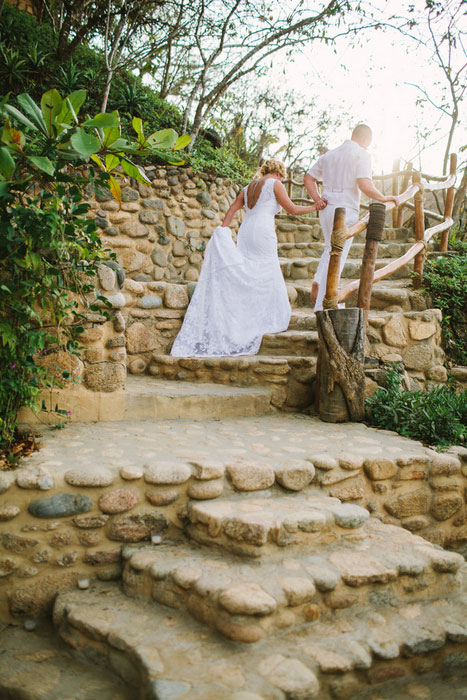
{"x":60,"y":526}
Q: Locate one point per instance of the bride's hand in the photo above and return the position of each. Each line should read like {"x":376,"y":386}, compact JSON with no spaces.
{"x":320,"y":203}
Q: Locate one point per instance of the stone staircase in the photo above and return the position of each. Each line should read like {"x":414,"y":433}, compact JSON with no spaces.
{"x":286,"y":362}
{"x":286,"y":598}
{"x":237,"y":567}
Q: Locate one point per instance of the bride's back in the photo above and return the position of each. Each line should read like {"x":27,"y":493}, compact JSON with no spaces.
{"x":260,"y":194}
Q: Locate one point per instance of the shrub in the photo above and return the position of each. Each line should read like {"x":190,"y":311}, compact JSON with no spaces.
{"x":224,"y":162}
{"x":435,"y":417}
{"x":49,"y":250}
{"x":445,"y":280}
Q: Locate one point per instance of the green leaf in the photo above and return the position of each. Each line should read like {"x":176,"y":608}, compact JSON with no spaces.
{"x":19,"y":116}
{"x":51,"y":106}
{"x":33,"y":111}
{"x":111,"y":162}
{"x":115,"y":189}
{"x":85,"y":144}
{"x":97,"y":160}
{"x":182,"y":142}
{"x":110,"y":136}
{"x":42,"y":163}
{"x":7,"y":164}
{"x":137,"y":125}
{"x":134,"y":171}
{"x":164,"y":139}
{"x":102,"y":121}
{"x":70,"y":107}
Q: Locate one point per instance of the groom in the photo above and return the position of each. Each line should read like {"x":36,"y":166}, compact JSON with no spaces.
{"x":345,"y":172}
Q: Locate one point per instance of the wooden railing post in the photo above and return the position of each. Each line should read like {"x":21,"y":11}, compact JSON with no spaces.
{"x":395,"y":189}
{"x":337,"y":244}
{"x":443,"y":246}
{"x":405,"y":182}
{"x":419,"y":232}
{"x":289,"y":183}
{"x":374,"y":233}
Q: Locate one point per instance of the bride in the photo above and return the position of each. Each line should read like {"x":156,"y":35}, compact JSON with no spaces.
{"x":241,"y":293}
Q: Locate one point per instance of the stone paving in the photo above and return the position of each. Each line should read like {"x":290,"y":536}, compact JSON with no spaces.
{"x":269,"y":438}
{"x":294,"y":594}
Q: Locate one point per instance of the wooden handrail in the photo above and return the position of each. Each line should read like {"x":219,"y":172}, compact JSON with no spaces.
{"x":391,"y":267}
{"x":431,"y":214}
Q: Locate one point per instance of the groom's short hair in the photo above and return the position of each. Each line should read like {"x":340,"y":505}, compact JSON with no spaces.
{"x":362,"y":132}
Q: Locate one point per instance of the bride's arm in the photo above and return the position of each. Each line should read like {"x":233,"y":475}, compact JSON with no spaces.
{"x":286,"y":203}
{"x":234,"y":207}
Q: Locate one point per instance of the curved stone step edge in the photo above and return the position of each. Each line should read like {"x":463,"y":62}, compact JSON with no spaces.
{"x":357,"y":659}
{"x":272,"y":371}
{"x":244,"y":601}
{"x":392,"y":299}
{"x":315,"y":248}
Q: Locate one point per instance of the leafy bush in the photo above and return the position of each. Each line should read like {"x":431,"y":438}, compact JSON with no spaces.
{"x":49,"y":250}
{"x":29,"y":64}
{"x":436,"y":417}
{"x":445,"y":280}
{"x":224,"y":162}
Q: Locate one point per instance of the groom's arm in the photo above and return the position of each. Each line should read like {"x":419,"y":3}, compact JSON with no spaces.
{"x":311,"y":186}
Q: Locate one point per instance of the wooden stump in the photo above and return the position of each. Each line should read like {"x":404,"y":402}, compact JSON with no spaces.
{"x":342,"y":379}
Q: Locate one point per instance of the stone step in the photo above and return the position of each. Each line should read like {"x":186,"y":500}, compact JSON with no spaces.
{"x":392,"y":249}
{"x":289,"y":230}
{"x":347,"y":651}
{"x":388,"y":294}
{"x":291,"y":342}
{"x":287,"y":377}
{"x":159,"y":399}
{"x":256,"y":526}
{"x":305,"y":268}
{"x":35,"y":665}
{"x":246,"y":600}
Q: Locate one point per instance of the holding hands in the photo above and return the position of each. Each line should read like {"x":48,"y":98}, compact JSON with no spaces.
{"x":320,"y":203}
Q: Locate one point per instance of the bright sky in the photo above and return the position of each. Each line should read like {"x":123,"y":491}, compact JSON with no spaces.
{"x":369,"y":81}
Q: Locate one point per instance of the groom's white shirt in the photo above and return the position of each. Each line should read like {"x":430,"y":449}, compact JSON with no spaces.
{"x":339,"y":170}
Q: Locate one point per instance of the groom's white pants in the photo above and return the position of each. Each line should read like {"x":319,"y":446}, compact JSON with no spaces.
{"x":326,"y":219}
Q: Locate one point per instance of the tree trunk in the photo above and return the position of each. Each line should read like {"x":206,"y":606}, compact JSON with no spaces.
{"x":459,"y":197}
{"x":342,"y":379}
{"x":105,"y":96}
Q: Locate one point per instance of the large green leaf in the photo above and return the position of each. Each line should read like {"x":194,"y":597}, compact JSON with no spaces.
{"x":102,"y":121}
{"x":7,"y":164}
{"x":51,"y":106}
{"x":182,"y":142}
{"x":137,"y":125}
{"x":111,"y":134}
{"x":42,"y":163}
{"x":20,"y":117}
{"x":164,"y":139}
{"x":32,"y":110}
{"x":135,"y":171}
{"x":71,"y":106}
{"x":85,"y":144}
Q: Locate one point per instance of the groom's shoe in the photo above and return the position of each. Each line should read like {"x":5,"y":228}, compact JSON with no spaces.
{"x":314,"y":293}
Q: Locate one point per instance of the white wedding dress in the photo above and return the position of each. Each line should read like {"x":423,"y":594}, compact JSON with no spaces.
{"x":241,"y":293}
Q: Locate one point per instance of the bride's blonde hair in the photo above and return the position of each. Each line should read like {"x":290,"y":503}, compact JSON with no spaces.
{"x":273,"y":166}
